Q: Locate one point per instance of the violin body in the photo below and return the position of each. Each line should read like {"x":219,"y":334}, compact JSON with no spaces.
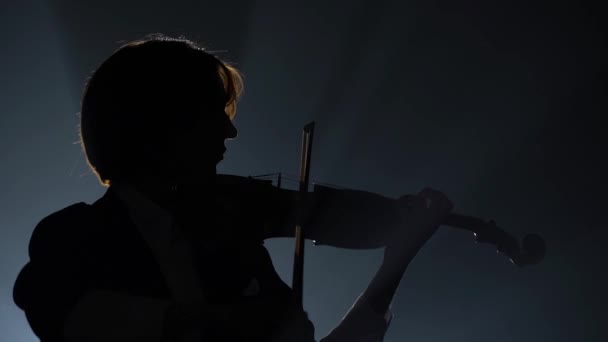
{"x":358,"y":219}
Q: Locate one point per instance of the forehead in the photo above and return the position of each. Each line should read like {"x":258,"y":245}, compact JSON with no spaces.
{"x":210,"y":87}
{"x":200,"y":90}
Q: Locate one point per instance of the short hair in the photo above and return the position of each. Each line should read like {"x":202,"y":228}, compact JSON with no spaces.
{"x":142,"y":94}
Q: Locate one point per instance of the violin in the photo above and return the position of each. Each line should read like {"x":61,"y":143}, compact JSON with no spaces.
{"x":348,"y":218}
{"x":356,"y":219}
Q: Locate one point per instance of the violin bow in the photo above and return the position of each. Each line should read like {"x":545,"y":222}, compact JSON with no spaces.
{"x":298,"y":260}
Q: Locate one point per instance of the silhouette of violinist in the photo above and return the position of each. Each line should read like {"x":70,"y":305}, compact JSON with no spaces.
{"x":158,"y":257}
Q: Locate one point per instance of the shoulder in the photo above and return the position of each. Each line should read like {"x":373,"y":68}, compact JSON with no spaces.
{"x":51,"y":251}
{"x":60,"y":228}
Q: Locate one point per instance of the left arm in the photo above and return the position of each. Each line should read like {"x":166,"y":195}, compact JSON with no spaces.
{"x":341,"y":218}
{"x":369,"y":317}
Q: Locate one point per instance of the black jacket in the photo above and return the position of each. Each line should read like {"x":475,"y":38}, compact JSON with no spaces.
{"x":86,"y":247}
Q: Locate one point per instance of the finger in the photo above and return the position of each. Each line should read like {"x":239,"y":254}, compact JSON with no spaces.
{"x":430,"y":199}
{"x":428,"y":202}
{"x":435,"y":196}
{"x":427,"y":192}
{"x":432,"y":193}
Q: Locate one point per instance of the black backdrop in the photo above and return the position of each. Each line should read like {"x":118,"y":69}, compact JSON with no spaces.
{"x":498,"y":104}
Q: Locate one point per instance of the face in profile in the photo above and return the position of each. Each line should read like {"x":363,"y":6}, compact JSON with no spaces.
{"x":201,"y":145}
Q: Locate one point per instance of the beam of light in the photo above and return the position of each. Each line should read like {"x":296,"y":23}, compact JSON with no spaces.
{"x":37,"y":128}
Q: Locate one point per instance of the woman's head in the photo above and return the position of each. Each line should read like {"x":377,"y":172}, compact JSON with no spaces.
{"x":155,"y":105}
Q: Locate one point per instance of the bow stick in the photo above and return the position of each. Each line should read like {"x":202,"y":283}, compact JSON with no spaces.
{"x":298,"y":260}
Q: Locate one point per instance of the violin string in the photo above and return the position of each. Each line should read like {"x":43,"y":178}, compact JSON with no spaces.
{"x":294,"y":179}
{"x":313,"y":181}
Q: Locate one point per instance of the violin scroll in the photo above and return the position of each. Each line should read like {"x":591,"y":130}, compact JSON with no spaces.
{"x":530,"y":251}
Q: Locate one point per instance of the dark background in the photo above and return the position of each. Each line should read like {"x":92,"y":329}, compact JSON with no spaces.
{"x":497,"y":103}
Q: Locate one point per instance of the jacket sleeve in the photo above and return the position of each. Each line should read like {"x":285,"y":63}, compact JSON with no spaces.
{"x":60,"y":301}
{"x":55,"y":277}
{"x":360,"y":324}
{"x":343,"y":218}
